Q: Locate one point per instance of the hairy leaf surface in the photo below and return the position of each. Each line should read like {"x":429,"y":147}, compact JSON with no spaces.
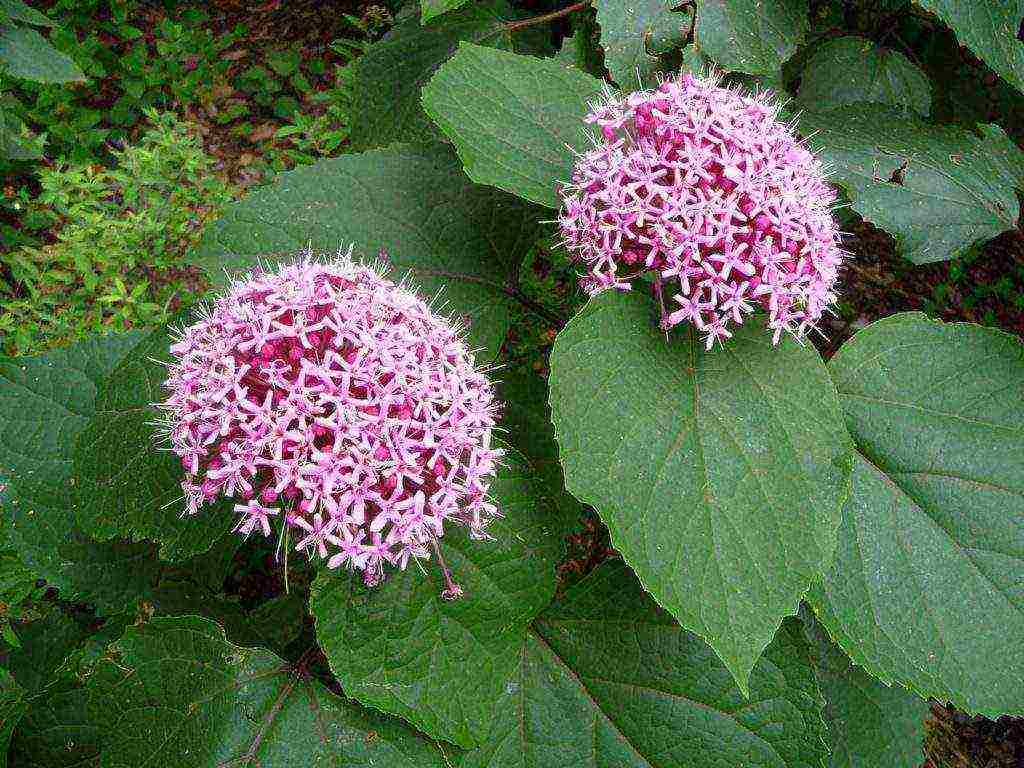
{"x":751,"y":36}
{"x":928,"y":584}
{"x":720,"y":474}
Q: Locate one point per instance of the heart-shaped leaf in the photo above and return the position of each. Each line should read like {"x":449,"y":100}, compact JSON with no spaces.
{"x":928,"y":584}
{"x":720,"y":474}
{"x":854,"y":70}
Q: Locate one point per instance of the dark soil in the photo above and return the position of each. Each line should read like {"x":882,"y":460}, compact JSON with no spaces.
{"x":956,"y":740}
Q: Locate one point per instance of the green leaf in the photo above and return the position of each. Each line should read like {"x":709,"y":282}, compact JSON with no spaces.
{"x":989,"y":28}
{"x":12,"y":707}
{"x":928,"y":584}
{"x":415,"y":202}
{"x":45,"y":644}
{"x":511,"y":117}
{"x":16,"y":10}
{"x":127,"y":485}
{"x":182,"y":696}
{"x":45,"y":402}
{"x":430,"y":9}
{"x":580,"y":52}
{"x":389,"y":76}
{"x":527,"y":417}
{"x":939,"y":190}
{"x":720,"y":474}
{"x":606,"y":678}
{"x":25,"y":53}
{"x":751,"y":36}
{"x":47,"y":735}
{"x":631,"y":30}
{"x":870,"y":725}
{"x":854,"y":70}
{"x":443,"y":664}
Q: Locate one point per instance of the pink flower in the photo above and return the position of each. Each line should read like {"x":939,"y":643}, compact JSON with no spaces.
{"x":327,"y":397}
{"x":704,"y":188}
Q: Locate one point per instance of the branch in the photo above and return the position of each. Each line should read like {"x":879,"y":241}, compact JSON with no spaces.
{"x":513,"y":25}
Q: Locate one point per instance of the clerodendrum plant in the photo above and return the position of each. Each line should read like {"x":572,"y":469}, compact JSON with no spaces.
{"x":809,"y":550}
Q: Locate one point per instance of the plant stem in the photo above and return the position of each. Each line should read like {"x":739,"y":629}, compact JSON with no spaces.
{"x":545,"y":17}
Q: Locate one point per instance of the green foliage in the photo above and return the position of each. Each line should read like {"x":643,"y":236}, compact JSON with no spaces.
{"x":443,"y":664}
{"x":120,"y":232}
{"x":883,"y":488}
{"x":939,"y":190}
{"x":608,"y":678}
{"x":632,"y":33}
{"x":870,"y":725}
{"x":709,"y":468}
{"x":926,"y":585}
{"x":853,"y":70}
{"x":415,"y":203}
{"x":46,"y":403}
{"x":511,"y":117}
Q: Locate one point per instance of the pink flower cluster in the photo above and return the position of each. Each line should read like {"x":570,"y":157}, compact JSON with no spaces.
{"x":704,"y":187}
{"x":328,"y":400}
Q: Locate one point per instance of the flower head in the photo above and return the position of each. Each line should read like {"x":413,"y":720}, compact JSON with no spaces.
{"x":323,"y":397}
{"x":705,"y":189}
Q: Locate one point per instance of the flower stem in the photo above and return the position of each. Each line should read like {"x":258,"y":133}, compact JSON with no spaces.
{"x":451,"y":589}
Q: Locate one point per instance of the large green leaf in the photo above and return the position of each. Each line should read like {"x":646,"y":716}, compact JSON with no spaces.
{"x":854,"y":70}
{"x":939,"y":190}
{"x":751,"y":36}
{"x":871,"y":725}
{"x":45,"y":402}
{"x":632,"y":31}
{"x":720,"y":474}
{"x":416,"y":203}
{"x":606,"y":678}
{"x":25,"y":53}
{"x":389,"y":76}
{"x":440,"y":664}
{"x":126,"y":485}
{"x":990,"y":29}
{"x":183,"y":697}
{"x":12,"y":707}
{"x":928,"y":584}
{"x":511,"y":118}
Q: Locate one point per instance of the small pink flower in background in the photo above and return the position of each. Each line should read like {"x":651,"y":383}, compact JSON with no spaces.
{"x":323,"y":397}
{"x":705,"y":189}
